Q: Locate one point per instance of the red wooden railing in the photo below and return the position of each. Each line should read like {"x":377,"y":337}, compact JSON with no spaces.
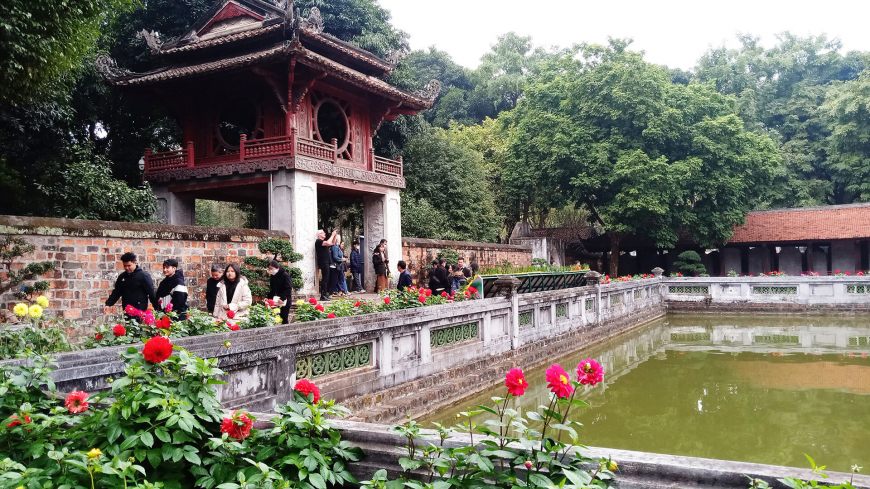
{"x":268,"y":147}
{"x":169,"y":160}
{"x":386,"y":165}
{"x":263,"y":148}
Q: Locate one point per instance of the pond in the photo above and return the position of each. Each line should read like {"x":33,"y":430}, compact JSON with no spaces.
{"x":754,"y":389}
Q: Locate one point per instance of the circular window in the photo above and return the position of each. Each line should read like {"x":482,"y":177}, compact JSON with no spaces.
{"x":332,"y":123}
{"x":237,"y":118}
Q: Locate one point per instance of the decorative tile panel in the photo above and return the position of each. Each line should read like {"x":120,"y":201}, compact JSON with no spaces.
{"x":453,"y":334}
{"x":688,"y":289}
{"x":334,"y":361}
{"x":765,"y":290}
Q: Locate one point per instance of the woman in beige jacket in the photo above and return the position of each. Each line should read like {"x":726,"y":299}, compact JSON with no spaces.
{"x":234,"y":286}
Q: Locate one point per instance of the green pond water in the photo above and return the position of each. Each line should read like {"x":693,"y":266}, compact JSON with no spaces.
{"x":754,"y":389}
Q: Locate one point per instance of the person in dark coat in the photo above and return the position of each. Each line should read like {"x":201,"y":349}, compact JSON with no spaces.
{"x":323,"y":254}
{"x":356,"y":268}
{"x":465,"y":270}
{"x":405,"y":279}
{"x":280,"y":288}
{"x":172,"y":290}
{"x":211,"y":288}
{"x":380,"y":267}
{"x":134,"y":287}
{"x":438,"y":280}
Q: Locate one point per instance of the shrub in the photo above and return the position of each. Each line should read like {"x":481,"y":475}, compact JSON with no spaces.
{"x":451,"y":256}
{"x":256,"y":269}
{"x":392,"y":300}
{"x":689,"y":263}
{"x":11,"y":249}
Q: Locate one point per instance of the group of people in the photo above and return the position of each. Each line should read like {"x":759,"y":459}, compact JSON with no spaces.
{"x":336,"y":268}
{"x":227,"y":291}
{"x":447,"y":277}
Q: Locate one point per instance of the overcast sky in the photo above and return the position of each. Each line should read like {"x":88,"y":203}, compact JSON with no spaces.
{"x":671,"y":32}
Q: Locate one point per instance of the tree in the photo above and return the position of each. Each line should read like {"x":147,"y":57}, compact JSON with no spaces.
{"x":846,"y":109}
{"x":643,"y":155}
{"x":43,"y":41}
{"x":87,"y":190}
{"x":11,"y":249}
{"x":444,"y":174}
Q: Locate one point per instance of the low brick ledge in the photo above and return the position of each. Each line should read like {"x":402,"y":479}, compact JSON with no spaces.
{"x":55,"y":226}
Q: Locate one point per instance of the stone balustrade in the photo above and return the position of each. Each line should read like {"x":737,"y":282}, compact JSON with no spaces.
{"x":355,"y":356}
{"x":787,"y":293}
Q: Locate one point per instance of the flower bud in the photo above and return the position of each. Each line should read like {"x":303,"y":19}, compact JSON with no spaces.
{"x":528,"y":464}
{"x":611,"y":466}
{"x":227,"y":344}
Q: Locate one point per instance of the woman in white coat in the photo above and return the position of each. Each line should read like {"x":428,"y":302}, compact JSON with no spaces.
{"x":235,"y":287}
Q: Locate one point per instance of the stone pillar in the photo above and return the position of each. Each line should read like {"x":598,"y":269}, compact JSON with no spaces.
{"x":173,"y":208}
{"x":382,"y":218}
{"x":843,"y":255}
{"x":385,"y":353}
{"x":425,"y":343}
{"x":293,"y":209}
{"x":506,"y":286}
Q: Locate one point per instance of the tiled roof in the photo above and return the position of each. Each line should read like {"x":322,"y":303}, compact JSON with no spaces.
{"x":228,"y":39}
{"x":203,"y":68}
{"x":851,"y":221}
{"x":348,"y":49}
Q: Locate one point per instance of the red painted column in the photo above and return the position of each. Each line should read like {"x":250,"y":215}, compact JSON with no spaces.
{"x":242,"y":139}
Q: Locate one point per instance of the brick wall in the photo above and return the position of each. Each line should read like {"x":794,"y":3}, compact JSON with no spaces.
{"x":419,"y":253}
{"x":86,"y":258}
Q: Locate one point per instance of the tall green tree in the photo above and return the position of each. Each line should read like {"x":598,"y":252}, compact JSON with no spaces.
{"x":644,"y":156}
{"x":847,"y":113}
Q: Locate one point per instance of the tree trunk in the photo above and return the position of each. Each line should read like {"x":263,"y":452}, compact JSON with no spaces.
{"x":614,"y":254}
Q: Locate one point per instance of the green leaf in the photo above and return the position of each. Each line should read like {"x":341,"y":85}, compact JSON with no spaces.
{"x":535,"y":416}
{"x":540,"y":480}
{"x":317,"y":481}
{"x":192,"y":458}
{"x":114,"y":432}
{"x":147,"y":439}
{"x":130,"y":441}
{"x":163,"y":435}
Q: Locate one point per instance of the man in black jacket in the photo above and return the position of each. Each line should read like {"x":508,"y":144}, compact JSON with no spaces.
{"x":172,"y":290}
{"x":211,"y":288}
{"x":134,"y":287}
{"x":438,"y":278}
{"x":280,"y":288}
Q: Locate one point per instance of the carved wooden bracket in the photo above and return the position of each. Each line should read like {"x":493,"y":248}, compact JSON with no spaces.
{"x":382,"y":111}
{"x":273,"y":82}
{"x":301,"y":85}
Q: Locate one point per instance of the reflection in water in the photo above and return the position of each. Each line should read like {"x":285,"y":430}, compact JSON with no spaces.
{"x":754,"y":389}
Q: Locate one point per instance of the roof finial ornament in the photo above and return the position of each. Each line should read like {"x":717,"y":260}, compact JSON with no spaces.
{"x":152,"y":39}
{"x":393,"y":57}
{"x":109,"y":68}
{"x":430,"y":92}
{"x":314,"y":21}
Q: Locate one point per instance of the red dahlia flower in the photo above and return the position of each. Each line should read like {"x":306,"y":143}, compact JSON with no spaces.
{"x":77,"y":402}
{"x":157,"y":349}
{"x":357,"y":304}
{"x":330,"y":316}
{"x":168,"y":308}
{"x":443,"y":294}
{"x":386,"y":300}
{"x":164,"y":323}
{"x":422,"y":299}
{"x":119,"y":330}
{"x":428,"y":292}
{"x":238,"y":426}
{"x":270,"y":302}
{"x":231,"y":314}
{"x":16,"y":421}
{"x":557,"y":381}
{"x":305,"y":387}
{"x":319,"y":307}
{"x":233,"y":327}
{"x":515,"y":382}
{"x":148,"y":319}
{"x":590,"y":372}
{"x":98,"y":336}
{"x":472,"y":290}
{"x":312,"y":301}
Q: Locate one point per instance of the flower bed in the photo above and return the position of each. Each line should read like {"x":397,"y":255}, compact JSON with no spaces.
{"x":392,"y":300}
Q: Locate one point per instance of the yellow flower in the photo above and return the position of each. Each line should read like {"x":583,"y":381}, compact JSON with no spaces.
{"x":300,"y":302}
{"x":42,"y":301}
{"x":277,"y":319}
{"x":35,"y":311}
{"x":94,"y":453}
{"x":20,"y":309}
{"x":276,"y":310}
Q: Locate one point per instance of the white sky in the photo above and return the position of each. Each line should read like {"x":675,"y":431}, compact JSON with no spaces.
{"x":671,"y":32}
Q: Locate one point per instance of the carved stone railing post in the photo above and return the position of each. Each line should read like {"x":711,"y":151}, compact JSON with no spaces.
{"x":593,"y":278}
{"x":507,"y":286}
{"x":658,"y":272}
{"x":242,"y":139}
